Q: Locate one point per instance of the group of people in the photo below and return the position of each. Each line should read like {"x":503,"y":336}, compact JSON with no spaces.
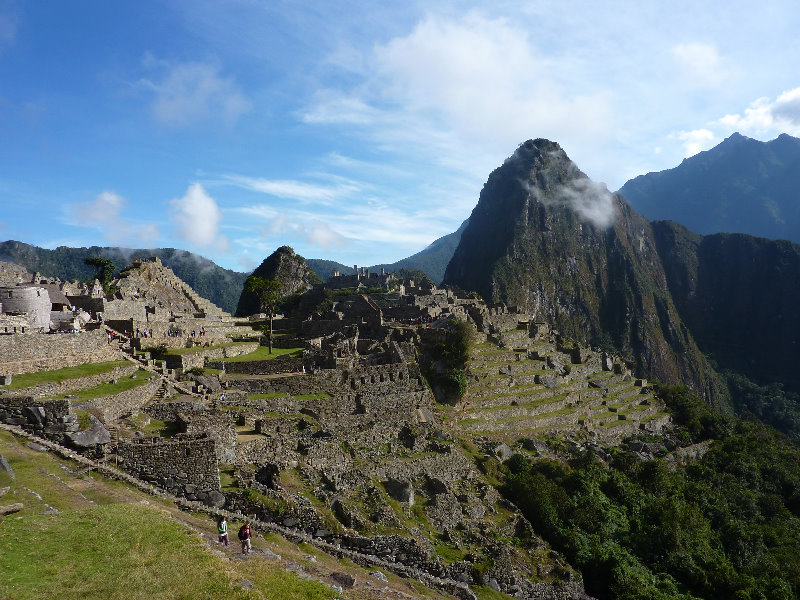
{"x":245,"y":535}
{"x":144,"y":333}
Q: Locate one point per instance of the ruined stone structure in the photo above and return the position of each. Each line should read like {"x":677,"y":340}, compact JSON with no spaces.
{"x":184,"y":467}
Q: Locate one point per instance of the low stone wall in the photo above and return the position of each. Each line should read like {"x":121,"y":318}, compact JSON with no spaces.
{"x":169,"y":411}
{"x":183,"y":467}
{"x":50,"y":419}
{"x":125,"y":403}
{"x":260,"y":367}
{"x":198,"y":358}
{"x":80,"y":383}
{"x":45,"y":352}
{"x":293,"y":385}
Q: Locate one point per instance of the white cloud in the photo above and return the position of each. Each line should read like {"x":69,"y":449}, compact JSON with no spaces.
{"x":701,"y":63}
{"x":104,"y":213}
{"x":191,"y":92}
{"x":452,"y":85}
{"x":197,"y":217}
{"x":766,"y":116}
{"x":695,"y":141}
{"x":294,"y":190}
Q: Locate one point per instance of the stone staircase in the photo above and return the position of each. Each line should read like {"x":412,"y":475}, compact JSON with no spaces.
{"x":536,"y":389}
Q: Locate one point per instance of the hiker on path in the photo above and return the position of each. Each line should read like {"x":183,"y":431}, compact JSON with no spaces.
{"x":222,"y":529}
{"x":244,"y":536}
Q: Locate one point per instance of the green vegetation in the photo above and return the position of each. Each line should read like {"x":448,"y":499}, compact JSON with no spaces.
{"x":58,"y":375}
{"x":104,"y":272}
{"x":770,"y":403}
{"x":123,"y":384}
{"x":725,"y":526}
{"x":444,"y":363}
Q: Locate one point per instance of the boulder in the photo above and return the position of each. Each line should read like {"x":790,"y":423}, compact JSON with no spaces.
{"x":94,"y":436}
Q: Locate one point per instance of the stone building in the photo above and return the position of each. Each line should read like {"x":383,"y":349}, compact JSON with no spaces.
{"x":27,"y":300}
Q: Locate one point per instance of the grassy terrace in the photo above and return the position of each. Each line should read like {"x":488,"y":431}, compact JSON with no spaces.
{"x":123,"y":384}
{"x":262,"y":353}
{"x":58,"y":375}
{"x":532,"y":404}
{"x":105,"y":542}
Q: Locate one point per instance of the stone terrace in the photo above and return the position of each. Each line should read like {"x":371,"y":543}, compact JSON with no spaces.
{"x":536,"y":390}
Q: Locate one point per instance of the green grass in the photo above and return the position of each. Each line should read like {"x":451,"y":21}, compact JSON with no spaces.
{"x":126,"y":551}
{"x":110,"y":389}
{"x":262,"y":353}
{"x":58,"y":375}
{"x":449,"y":554}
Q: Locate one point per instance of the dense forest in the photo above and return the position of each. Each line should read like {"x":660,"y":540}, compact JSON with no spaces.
{"x":725,"y":525}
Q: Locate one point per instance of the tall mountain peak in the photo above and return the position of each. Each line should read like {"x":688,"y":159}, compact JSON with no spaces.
{"x":556,"y":244}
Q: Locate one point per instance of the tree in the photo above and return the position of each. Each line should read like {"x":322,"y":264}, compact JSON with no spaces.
{"x":105,"y":270}
{"x":268,"y":293}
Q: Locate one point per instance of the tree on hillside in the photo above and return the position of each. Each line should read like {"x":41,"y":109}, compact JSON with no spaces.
{"x":105,"y":270}
{"x":268,"y":293}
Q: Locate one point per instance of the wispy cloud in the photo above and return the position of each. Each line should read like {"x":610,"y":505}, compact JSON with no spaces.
{"x":453,"y":85}
{"x":197,"y":218}
{"x":189,"y":92}
{"x":300,"y":191}
{"x":104,"y":214}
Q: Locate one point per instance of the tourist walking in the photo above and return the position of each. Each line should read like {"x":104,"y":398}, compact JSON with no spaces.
{"x":222,"y":529}
{"x":244,"y":536}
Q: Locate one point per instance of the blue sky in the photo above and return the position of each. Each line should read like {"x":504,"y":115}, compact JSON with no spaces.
{"x":355,"y":131}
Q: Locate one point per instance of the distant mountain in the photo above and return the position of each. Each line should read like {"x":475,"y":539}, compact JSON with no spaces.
{"x":740,"y":186}
{"x":221,"y":286}
{"x":432,"y":260}
{"x":546,"y":238}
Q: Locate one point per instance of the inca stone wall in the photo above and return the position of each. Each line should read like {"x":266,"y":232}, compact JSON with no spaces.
{"x":260,"y":367}
{"x":127,"y":402}
{"x":215,"y":424}
{"x":49,"y":419}
{"x":169,"y":411}
{"x":45,"y":352}
{"x":183,"y":467}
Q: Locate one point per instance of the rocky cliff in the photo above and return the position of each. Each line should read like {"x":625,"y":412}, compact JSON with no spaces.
{"x":286,"y":267}
{"x":546,"y":238}
{"x":740,"y":297}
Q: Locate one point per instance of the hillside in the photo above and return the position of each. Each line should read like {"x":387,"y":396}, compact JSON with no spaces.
{"x":739,"y":186}
{"x":221,"y":286}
